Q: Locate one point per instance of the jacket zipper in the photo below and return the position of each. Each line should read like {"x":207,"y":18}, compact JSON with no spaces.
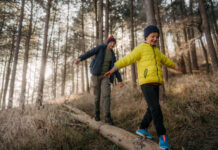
{"x":156,"y":64}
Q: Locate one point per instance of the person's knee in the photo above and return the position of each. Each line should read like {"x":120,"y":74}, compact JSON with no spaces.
{"x":155,"y":108}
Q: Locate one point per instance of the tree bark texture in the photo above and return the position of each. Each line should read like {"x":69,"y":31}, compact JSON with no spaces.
{"x":150,"y":16}
{"x":8,"y":72}
{"x":65,"y":55}
{"x":107,"y":19}
{"x":3,"y":80}
{"x":96,"y":20}
{"x":25,"y":63}
{"x":100,"y":22}
{"x":133,"y":70}
{"x":192,"y":44}
{"x":39,"y":99}
{"x":11,"y":92}
{"x":117,"y":135}
{"x":206,"y":30}
{"x":84,"y":47}
{"x":205,"y":55}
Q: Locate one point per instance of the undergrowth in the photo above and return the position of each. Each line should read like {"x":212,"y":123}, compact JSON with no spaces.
{"x":189,"y":108}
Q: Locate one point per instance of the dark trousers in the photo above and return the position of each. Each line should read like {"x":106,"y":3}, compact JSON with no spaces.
{"x":151,"y":94}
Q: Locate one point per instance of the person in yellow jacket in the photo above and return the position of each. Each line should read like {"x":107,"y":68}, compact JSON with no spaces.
{"x":149,"y":61}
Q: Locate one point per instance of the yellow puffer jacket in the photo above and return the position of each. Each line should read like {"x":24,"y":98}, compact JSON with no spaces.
{"x":149,"y":63}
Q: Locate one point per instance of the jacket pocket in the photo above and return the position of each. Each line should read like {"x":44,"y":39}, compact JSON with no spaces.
{"x":145,"y":73}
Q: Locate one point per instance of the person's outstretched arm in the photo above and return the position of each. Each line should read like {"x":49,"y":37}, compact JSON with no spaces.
{"x":168,"y":62}
{"x":125,"y":61}
{"x":88,"y":54}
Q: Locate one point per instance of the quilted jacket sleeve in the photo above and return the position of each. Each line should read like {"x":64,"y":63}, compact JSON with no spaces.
{"x":129,"y":59}
{"x":166,"y":61}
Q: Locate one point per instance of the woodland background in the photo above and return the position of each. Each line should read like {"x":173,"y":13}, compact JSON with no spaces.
{"x":39,"y":40}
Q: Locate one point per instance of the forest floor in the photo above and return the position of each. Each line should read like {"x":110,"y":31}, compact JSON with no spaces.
{"x":190,"y":111}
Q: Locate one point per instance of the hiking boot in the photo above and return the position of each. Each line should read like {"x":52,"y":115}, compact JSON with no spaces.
{"x":108,"y":119}
{"x":143,"y":132}
{"x":97,"y":116}
{"x":163,"y":141}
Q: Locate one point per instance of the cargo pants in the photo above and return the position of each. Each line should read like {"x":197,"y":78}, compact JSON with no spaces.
{"x":101,"y":91}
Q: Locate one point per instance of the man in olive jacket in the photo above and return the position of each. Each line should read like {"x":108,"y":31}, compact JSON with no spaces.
{"x":103,"y":61}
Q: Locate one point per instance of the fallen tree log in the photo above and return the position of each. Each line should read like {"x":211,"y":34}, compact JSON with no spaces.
{"x":117,"y":135}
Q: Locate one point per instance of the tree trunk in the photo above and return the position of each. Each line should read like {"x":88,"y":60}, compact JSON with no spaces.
{"x":77,"y":77}
{"x":150,"y":16}
{"x":55,"y":69}
{"x":215,"y":40}
{"x":36,"y":60}
{"x":162,"y":47}
{"x":51,"y":36}
{"x":93,"y":38}
{"x":87,"y":77}
{"x":117,"y":135}
{"x":84,"y":47}
{"x":100,"y":22}
{"x":39,"y":99}
{"x":8,"y":72}
{"x":35,"y":65}
{"x":3,"y":80}
{"x":182,"y":56}
{"x":206,"y":30}
{"x":110,"y":27}
{"x":73,"y":76}
{"x":214,"y":18}
{"x":56,"y":65}
{"x":2,"y":24}
{"x":28,"y":92}
{"x":54,"y":81}
{"x":3,"y":21}
{"x":73,"y":71}
{"x":96,"y":20}
{"x":214,"y":26}
{"x":193,"y":51}
{"x":123,"y":51}
{"x":182,"y":64}
{"x":82,"y":77}
{"x":135,"y":34}
{"x":133,"y":70}
{"x":189,"y":62}
{"x":205,"y":55}
{"x":188,"y":56}
{"x":185,"y":35}
{"x":11,"y":92}
{"x":25,"y":63}
{"x":107,"y":19}
{"x":55,"y":76}
{"x":65,"y":55}
{"x":192,"y":44}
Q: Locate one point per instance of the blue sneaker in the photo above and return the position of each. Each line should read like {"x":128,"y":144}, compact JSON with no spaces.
{"x":163,"y":141}
{"x":143,"y":132}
